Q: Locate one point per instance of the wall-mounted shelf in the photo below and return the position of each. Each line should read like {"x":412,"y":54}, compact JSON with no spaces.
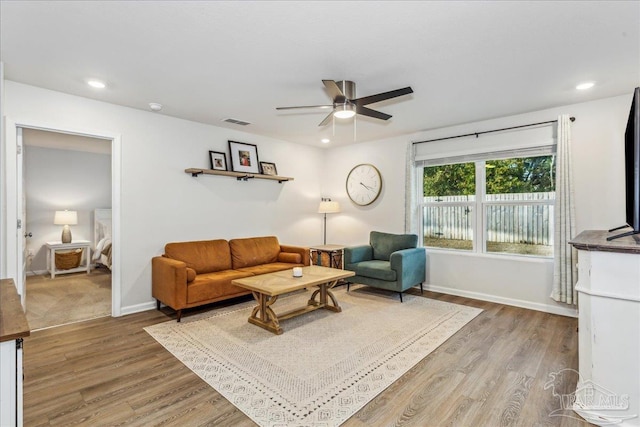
{"x":240,"y":176}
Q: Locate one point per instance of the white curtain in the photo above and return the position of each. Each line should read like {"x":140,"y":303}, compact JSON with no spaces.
{"x":565,"y":272}
{"x":410,"y":207}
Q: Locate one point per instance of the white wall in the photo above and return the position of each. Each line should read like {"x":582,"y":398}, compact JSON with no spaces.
{"x":598,"y":135}
{"x":160,"y":203}
{"x":57,"y":180}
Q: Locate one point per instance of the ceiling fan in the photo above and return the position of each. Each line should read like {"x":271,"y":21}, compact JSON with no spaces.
{"x":346,"y":105}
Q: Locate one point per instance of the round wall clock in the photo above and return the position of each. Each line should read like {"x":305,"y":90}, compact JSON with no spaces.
{"x":364,"y":184}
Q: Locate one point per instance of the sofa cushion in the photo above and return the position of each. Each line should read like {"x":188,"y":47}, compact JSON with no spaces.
{"x":377,"y":269}
{"x":191,"y":274}
{"x":254,"y":251}
{"x":384,"y":244}
{"x":290,"y":257}
{"x":210,"y":286}
{"x":204,"y":256}
{"x":269,"y":268}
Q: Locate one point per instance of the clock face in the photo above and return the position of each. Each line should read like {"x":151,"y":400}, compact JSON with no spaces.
{"x":364,"y":184}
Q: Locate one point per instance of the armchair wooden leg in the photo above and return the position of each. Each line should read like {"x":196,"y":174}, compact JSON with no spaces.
{"x":400,"y":296}
{"x":348,"y":283}
{"x":421,"y":290}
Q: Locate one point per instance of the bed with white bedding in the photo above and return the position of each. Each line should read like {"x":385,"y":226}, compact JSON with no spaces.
{"x":102,"y":237}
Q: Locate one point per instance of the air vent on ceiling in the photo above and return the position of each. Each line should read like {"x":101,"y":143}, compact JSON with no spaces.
{"x":236,"y":122}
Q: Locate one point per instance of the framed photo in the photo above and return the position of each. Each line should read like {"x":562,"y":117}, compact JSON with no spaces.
{"x":218,"y":160}
{"x":244,"y":157}
{"x":268,"y":168}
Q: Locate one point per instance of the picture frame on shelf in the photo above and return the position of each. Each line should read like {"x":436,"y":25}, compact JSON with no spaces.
{"x":218,"y":160}
{"x":268,"y":168}
{"x":244,"y":157}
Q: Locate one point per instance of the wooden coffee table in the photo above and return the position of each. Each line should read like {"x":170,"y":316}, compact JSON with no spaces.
{"x":267,"y":287}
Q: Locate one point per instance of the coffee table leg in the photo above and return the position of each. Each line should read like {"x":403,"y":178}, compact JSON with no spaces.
{"x":324,"y":290}
{"x":262,"y":315}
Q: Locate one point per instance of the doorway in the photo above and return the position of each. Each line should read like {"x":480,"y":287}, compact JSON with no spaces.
{"x":64,"y":172}
{"x":14,"y":244}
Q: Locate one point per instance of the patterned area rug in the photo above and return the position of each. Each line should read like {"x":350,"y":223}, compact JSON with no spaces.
{"x":325,"y":366}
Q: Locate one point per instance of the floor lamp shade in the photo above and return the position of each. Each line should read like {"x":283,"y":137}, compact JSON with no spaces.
{"x":66,"y":218}
{"x":327,"y":206}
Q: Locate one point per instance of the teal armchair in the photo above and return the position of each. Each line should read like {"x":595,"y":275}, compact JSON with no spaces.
{"x":390,"y":261}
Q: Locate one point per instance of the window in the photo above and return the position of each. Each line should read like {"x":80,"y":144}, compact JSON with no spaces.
{"x":499,"y":204}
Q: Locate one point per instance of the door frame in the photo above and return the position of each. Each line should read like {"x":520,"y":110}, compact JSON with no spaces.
{"x":13,"y":206}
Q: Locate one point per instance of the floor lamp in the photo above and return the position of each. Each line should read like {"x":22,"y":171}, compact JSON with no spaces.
{"x":327,"y":206}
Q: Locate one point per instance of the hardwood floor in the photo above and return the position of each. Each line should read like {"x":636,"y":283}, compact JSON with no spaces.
{"x":109,"y":371}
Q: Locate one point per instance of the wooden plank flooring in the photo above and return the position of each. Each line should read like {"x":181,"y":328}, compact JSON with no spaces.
{"x":109,"y":372}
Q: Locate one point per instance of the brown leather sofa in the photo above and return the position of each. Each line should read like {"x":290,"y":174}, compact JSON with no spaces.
{"x":190,"y":274}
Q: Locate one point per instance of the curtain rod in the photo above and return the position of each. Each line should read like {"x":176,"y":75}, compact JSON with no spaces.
{"x":477,"y":134}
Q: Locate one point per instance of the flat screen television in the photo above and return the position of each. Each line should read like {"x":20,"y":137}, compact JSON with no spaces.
{"x":632,"y":169}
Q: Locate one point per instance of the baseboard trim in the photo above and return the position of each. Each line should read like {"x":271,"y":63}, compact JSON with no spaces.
{"x":37,"y":272}
{"x":137,"y":308}
{"x":562,"y":311}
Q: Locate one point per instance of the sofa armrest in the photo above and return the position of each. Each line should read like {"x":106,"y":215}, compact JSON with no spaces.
{"x":356,"y":254}
{"x":410,"y":266}
{"x":169,"y":281}
{"x":304,"y":252}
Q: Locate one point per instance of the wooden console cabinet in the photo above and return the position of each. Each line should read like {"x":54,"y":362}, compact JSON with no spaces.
{"x":608,"y":287}
{"x":13,"y":328}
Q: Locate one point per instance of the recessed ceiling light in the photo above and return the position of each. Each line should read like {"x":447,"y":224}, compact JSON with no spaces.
{"x":585,"y":85}
{"x":325,"y":140}
{"x":96,"y":83}
{"x":155,"y":106}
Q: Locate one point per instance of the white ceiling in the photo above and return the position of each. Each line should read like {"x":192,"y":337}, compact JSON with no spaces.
{"x":207,"y":61}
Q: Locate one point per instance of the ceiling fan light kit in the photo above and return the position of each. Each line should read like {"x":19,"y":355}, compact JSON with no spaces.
{"x":345,"y":111}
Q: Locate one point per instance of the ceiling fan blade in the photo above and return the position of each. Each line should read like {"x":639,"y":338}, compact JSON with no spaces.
{"x":304,"y":106}
{"x":372,"y":113}
{"x":334,"y":91}
{"x":382,"y":96}
{"x":326,"y":119}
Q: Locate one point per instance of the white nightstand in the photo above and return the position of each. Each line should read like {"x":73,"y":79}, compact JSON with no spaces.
{"x":52,"y":247}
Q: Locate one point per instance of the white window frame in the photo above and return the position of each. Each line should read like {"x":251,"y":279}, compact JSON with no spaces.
{"x":480,"y":204}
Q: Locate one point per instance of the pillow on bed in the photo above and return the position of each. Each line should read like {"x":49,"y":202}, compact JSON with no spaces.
{"x":100,"y":247}
{"x":104,"y":228}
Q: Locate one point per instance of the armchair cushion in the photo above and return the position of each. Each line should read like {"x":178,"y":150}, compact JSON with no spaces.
{"x":384,"y":244}
{"x":376,"y":269}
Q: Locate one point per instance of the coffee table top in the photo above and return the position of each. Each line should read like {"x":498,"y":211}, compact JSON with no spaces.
{"x":282,"y":282}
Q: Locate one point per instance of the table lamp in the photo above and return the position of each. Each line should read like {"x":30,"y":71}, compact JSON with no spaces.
{"x":327,"y":206}
{"x":66,"y":218}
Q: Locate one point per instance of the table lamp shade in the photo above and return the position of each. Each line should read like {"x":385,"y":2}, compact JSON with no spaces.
{"x":65,"y":218}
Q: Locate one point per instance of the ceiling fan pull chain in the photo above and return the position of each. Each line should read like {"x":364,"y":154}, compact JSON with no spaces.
{"x":355,"y":127}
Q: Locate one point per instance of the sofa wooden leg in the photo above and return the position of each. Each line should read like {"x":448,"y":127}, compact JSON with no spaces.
{"x":157,"y":304}
{"x":400,"y":296}
{"x":179,"y":313}
{"x":348,"y":284}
